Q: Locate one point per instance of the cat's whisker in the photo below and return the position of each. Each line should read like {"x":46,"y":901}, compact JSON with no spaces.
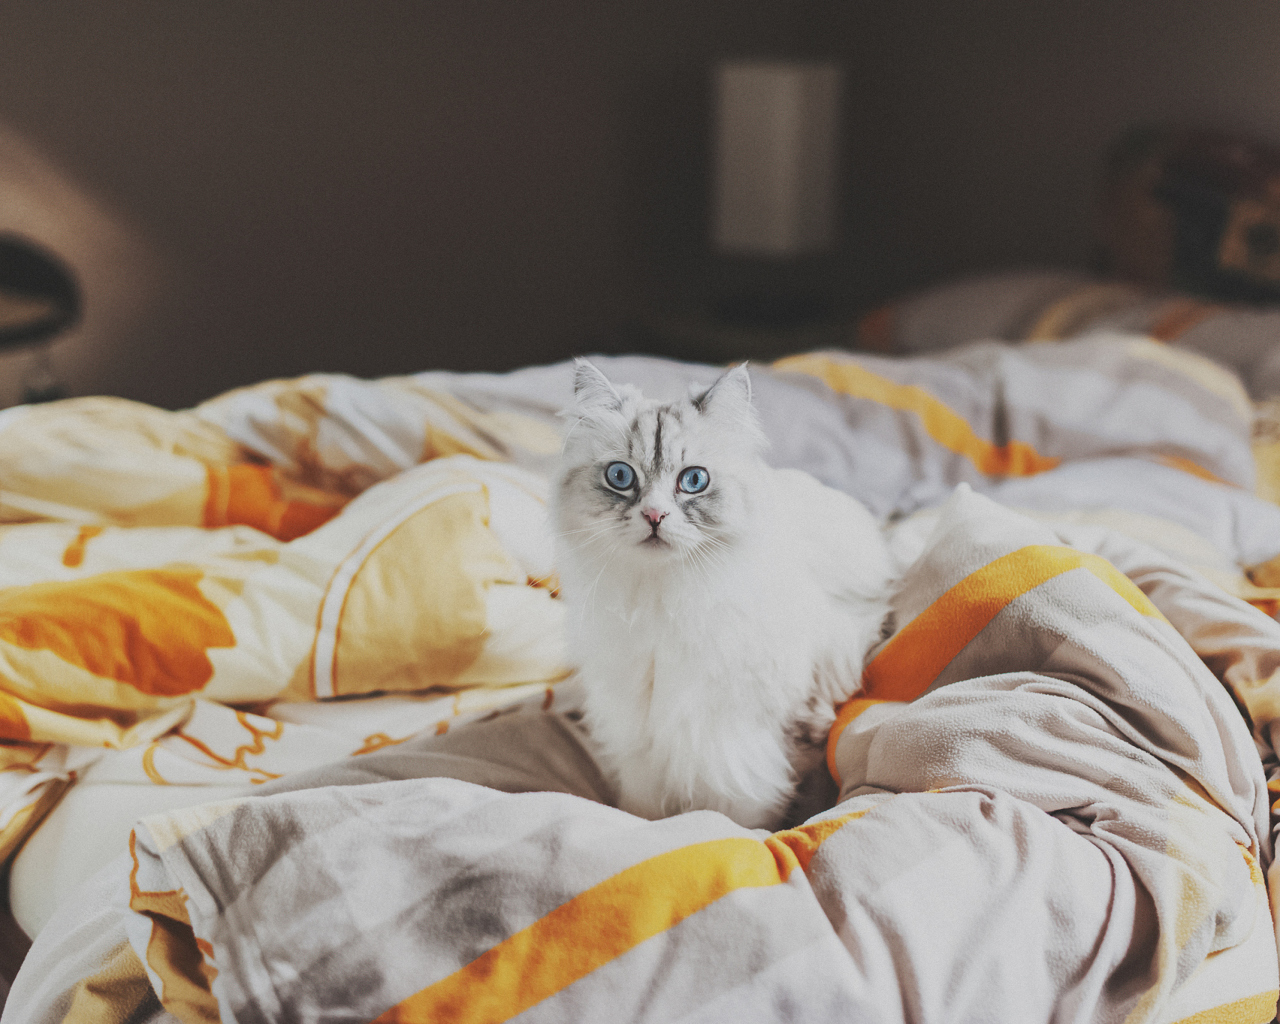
{"x":597,"y":531}
{"x":715,"y":542}
{"x":569,"y":433}
{"x":599,"y":534}
{"x":702,"y":563}
{"x":593,"y":528}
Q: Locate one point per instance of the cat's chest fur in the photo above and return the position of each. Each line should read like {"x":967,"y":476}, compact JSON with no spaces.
{"x":685,"y":658}
{"x":699,"y":681}
{"x":693,"y":720}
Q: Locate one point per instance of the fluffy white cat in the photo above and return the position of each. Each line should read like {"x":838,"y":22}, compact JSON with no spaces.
{"x":719,"y":609}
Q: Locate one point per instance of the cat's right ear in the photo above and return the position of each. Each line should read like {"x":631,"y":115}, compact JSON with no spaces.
{"x":591,"y":388}
{"x":731,"y":391}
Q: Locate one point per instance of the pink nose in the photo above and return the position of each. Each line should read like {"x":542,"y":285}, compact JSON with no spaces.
{"x":654,"y":516}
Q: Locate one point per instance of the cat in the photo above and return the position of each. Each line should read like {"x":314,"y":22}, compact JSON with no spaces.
{"x":718,"y":609}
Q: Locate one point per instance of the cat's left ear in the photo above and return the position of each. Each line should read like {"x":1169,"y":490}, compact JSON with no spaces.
{"x":592,"y":389}
{"x":728,"y":402}
{"x":731,"y":393}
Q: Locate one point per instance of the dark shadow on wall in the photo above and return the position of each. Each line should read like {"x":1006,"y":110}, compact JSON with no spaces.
{"x":74,"y":274}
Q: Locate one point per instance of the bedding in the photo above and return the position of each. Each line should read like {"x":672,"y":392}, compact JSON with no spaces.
{"x":1042,"y":306}
{"x":309,"y":584}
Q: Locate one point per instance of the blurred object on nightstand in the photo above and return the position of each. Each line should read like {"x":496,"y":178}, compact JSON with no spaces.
{"x":1193,"y":211}
{"x":39,"y":299}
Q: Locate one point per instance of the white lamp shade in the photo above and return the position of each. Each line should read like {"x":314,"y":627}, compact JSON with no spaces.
{"x":776,"y":131}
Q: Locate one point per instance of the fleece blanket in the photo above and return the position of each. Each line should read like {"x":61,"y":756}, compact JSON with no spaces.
{"x":196,"y":604}
{"x":1050,"y":809}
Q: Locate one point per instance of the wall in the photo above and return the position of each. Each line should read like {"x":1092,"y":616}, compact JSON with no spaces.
{"x":986,"y":124}
{"x":387,"y":186}
{"x":375,"y":187}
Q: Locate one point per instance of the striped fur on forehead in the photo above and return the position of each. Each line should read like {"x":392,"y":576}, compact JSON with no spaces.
{"x":660,"y":437}
{"x":657,"y":439}
{"x":720,"y":417}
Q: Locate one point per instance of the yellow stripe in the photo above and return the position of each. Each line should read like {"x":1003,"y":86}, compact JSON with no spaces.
{"x":794,"y":847}
{"x":1255,"y":869}
{"x":589,"y":931}
{"x":939,"y":421}
{"x":1257,"y":1009}
{"x":916,"y":656}
{"x":910,"y":662}
{"x":604,"y":922}
{"x":1194,"y":468}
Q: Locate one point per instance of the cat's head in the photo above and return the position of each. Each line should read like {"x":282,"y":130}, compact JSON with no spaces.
{"x":656,"y":480}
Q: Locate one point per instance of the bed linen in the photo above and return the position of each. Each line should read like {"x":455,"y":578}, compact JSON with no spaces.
{"x":275,"y":539}
{"x":1050,"y":305}
{"x":1072,"y":826}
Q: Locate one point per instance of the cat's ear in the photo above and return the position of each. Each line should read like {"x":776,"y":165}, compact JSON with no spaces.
{"x":591,"y":388}
{"x":728,"y":402}
{"x":731,"y":393}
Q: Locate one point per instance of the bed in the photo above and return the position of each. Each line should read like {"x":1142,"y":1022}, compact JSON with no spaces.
{"x":290,"y":733}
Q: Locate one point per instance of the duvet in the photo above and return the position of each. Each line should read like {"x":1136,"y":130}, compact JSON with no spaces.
{"x":331,"y":605}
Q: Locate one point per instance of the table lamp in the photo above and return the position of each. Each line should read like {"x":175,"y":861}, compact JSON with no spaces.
{"x":774,"y":189}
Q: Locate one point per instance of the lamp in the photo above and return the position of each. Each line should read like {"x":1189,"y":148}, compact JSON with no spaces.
{"x":774,"y":188}
{"x":775,"y":158}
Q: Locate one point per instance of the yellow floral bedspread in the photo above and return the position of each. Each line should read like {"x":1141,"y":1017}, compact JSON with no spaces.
{"x":163,"y":585}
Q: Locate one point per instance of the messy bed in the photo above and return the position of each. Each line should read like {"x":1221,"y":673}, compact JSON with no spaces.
{"x":290,"y":734}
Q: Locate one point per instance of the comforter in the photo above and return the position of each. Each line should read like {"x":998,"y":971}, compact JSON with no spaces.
{"x":329,"y":590}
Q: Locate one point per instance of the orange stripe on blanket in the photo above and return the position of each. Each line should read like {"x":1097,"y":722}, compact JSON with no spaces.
{"x":250,"y":495}
{"x":150,"y":628}
{"x":1180,"y":316}
{"x":606,"y":921}
{"x":916,"y":656}
{"x":795,"y":847}
{"x":13,"y":721}
{"x":845,"y":714}
{"x":73,"y":556}
{"x":910,"y":662}
{"x":939,"y":421}
{"x":1194,"y":468}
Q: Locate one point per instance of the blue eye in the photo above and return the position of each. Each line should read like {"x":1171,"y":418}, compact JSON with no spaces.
{"x":619,"y":476}
{"x":694,"y":479}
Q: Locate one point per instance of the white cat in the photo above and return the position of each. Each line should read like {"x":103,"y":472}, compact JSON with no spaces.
{"x":719,"y":609}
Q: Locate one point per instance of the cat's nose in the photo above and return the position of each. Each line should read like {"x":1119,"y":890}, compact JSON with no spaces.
{"x":654,"y":516}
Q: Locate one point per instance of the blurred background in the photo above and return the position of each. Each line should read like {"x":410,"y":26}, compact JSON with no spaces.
{"x":246,"y":190}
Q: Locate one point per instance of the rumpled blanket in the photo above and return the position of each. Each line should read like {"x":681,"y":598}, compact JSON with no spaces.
{"x":309,"y":570}
{"x":181,"y":586}
{"x":1050,"y":809}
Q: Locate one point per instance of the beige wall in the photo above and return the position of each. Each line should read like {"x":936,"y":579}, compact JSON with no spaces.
{"x":386,"y":186}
